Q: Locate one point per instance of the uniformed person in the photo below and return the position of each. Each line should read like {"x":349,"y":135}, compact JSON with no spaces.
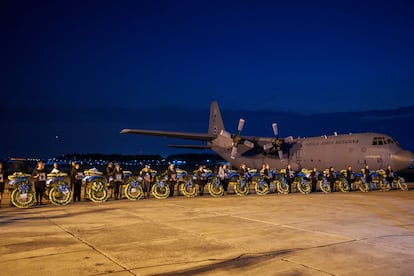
{"x":290,"y":176}
{"x":77,"y":175}
{"x":367,"y":174}
{"x":223,"y":176}
{"x":243,"y":171}
{"x":201,"y":179}
{"x":118,"y":181}
{"x":264,"y":172}
{"x":39,"y":178}
{"x":146,"y":175}
{"x":350,"y":177}
{"x":109,"y":175}
{"x":389,"y":174}
{"x":171,"y":178}
{"x":331,"y":178}
{"x":55,"y":168}
{"x":314,"y":179}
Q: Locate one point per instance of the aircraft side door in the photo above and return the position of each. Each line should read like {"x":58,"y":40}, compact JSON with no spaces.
{"x":298,"y":156}
{"x":374,"y":160}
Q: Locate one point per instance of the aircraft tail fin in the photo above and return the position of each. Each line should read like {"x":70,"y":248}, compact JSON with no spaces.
{"x":216,"y":122}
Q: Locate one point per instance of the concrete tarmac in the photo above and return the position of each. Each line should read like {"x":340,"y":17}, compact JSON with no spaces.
{"x":317,"y":234}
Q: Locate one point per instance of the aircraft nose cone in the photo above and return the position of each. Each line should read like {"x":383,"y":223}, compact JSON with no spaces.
{"x":402,"y":160}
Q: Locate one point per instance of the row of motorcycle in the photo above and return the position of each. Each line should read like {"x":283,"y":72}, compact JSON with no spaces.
{"x":59,"y":191}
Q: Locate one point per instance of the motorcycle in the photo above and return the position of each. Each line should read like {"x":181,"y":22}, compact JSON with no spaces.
{"x":382,"y":182}
{"x":132,"y":186}
{"x":323,"y":182}
{"x":397,"y":183}
{"x":342,"y":182}
{"x":58,"y":190}
{"x":242,"y":184}
{"x":282,"y":184}
{"x":400,"y":182}
{"x":215,"y":187}
{"x":361,"y":182}
{"x":96,"y":187}
{"x":23,"y":196}
{"x":260,"y":185}
{"x":188,"y":186}
{"x":302,"y":182}
{"x":160,"y":189}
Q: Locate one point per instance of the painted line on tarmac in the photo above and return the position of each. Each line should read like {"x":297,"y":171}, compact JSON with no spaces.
{"x":91,"y":246}
{"x":296,"y":228}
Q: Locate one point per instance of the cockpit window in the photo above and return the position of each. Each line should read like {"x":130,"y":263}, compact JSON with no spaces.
{"x":379,"y":141}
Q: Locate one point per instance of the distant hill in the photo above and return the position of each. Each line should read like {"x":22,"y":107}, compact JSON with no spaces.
{"x":53,"y":131}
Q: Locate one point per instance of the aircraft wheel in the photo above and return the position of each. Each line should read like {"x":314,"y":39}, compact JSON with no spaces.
{"x":60,"y":194}
{"x":325,"y":186}
{"x":241,"y":187}
{"x":97,"y":191}
{"x":261,"y":187}
{"x":160,"y":190}
{"x":133,"y":190}
{"x":344,"y":186}
{"x":215,"y":188}
{"x":401,"y":183}
{"x":188,"y":188}
{"x":22,"y":200}
{"x":282,"y":186}
{"x":304,"y":186}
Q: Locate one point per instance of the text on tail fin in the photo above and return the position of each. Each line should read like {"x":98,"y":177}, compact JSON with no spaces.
{"x":216,"y":122}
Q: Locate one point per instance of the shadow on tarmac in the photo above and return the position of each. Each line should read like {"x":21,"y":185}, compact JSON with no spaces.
{"x":23,"y":213}
{"x":244,"y":260}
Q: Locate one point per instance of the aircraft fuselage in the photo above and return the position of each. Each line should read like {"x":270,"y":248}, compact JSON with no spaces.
{"x":339,"y":151}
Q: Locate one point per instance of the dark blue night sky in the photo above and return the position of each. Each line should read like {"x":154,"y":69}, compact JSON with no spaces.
{"x":299,"y":56}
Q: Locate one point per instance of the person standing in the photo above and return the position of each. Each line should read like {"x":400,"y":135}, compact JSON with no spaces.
{"x":290,"y":176}
{"x":389,"y":174}
{"x":265,"y":173}
{"x":223,"y":176}
{"x":55,"y":168}
{"x":39,"y":177}
{"x":367,"y":174}
{"x":109,"y":175}
{"x":171,"y":178}
{"x":350,"y":177}
{"x":76,"y":175}
{"x":146,"y":179}
{"x":314,"y":179}
{"x":332,"y":178}
{"x":201,"y":179}
{"x":118,"y":181}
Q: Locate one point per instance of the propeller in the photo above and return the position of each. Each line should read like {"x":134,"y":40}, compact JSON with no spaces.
{"x":276,"y":144}
{"x":237,"y":139}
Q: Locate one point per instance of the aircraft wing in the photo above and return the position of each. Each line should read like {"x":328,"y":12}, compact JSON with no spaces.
{"x":201,"y":147}
{"x":171,"y":134}
{"x":263,"y":140}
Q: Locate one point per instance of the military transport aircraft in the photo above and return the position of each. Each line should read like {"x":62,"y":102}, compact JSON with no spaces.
{"x":340,"y":151}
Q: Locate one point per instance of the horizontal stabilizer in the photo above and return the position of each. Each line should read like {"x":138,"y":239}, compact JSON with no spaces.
{"x":200,"y":147}
{"x":172,"y":134}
